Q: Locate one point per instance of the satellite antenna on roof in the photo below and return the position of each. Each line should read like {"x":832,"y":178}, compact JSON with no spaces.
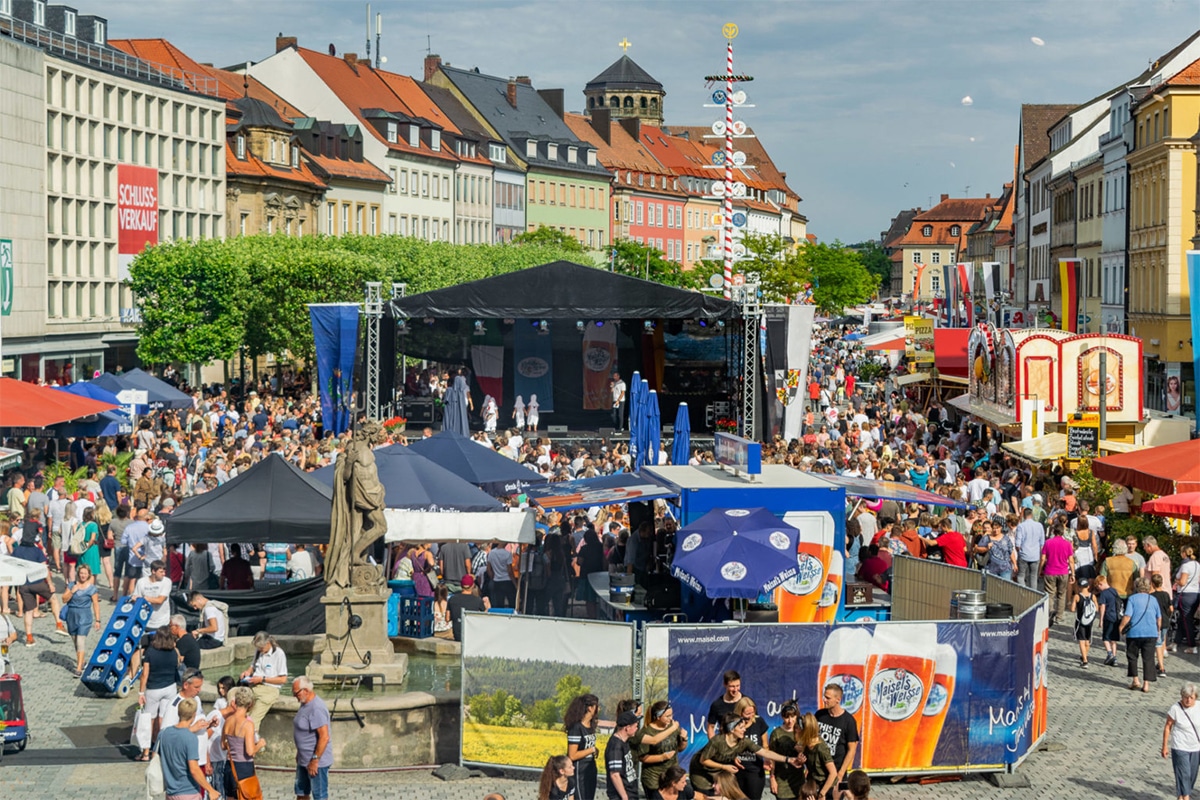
{"x":368,"y":34}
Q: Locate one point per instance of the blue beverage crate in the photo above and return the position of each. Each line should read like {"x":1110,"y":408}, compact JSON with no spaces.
{"x":393,"y":615}
{"x":106,"y":670}
{"x":416,"y":617}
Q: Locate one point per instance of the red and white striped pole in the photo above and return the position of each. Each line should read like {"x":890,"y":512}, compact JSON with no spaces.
{"x":727,"y":220}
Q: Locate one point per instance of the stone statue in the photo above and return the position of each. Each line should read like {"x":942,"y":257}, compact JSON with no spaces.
{"x":357,"y":515}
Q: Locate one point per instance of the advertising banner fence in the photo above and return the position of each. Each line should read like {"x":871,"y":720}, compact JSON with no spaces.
{"x":927,"y":696}
{"x":520,"y":674}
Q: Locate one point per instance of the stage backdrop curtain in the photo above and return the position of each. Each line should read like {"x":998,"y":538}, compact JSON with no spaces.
{"x":335,"y":340}
{"x":533,"y":353}
{"x":599,"y":360}
{"x":487,"y":360}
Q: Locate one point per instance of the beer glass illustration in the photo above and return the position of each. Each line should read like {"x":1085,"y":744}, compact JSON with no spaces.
{"x":933,"y":716}
{"x":827,"y":606}
{"x":1041,"y":635}
{"x":843,"y":661}
{"x":899,"y":675}
{"x":798,"y":597}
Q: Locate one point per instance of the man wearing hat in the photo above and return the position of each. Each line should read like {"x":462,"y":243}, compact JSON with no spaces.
{"x":618,"y":759}
{"x":466,"y":600}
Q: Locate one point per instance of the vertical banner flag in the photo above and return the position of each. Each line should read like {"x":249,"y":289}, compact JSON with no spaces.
{"x":965,"y":272}
{"x":137,"y":213}
{"x":335,"y":340}
{"x":534,"y":356}
{"x":799,"y":345}
{"x":1193,"y":275}
{"x":950,"y":307}
{"x":1068,"y":273}
{"x":599,"y":360}
{"x":487,"y":360}
{"x":917,"y":282}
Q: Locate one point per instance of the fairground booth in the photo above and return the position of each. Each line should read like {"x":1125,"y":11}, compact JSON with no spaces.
{"x":559,"y":331}
{"x":945,"y":675}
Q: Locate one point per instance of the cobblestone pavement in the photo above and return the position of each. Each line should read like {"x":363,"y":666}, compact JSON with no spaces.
{"x":1105,"y":741}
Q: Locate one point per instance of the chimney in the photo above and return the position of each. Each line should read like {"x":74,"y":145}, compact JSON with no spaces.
{"x":525,"y":80}
{"x":433,"y":63}
{"x":284,"y":42}
{"x":601,"y":120}
{"x":352,"y":60}
{"x":945,"y":197}
{"x":554,"y":99}
{"x":511,"y":92}
{"x":633,"y":125}
{"x":987,"y":196}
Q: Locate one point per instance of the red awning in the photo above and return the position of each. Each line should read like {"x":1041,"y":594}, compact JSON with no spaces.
{"x":1167,"y":469}
{"x":950,"y":350}
{"x":26,"y":405}
{"x":1179,"y":506}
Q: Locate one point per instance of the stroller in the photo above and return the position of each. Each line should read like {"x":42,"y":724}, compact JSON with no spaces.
{"x":14,"y":730}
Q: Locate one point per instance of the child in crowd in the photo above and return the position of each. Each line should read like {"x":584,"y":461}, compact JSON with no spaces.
{"x":1110,"y":619}
{"x":216,"y":754}
{"x":1085,"y":615}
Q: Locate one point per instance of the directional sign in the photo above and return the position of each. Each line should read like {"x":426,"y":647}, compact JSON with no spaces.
{"x":133,"y":397}
{"x":6,"y":277}
{"x":739,"y":97}
{"x":718,"y":158}
{"x":718,"y":97}
{"x":739,"y":220}
{"x":739,"y":127}
{"x":739,"y":158}
{"x":718,"y":127}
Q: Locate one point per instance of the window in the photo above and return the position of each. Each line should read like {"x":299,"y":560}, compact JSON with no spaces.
{"x":6,"y":9}
{"x":551,"y":151}
{"x":572,"y":154}
{"x":329,"y":212}
{"x":392,"y":224}
{"x":98,"y":33}
{"x":531,"y":148}
{"x":414,"y":136}
{"x":916,"y":257}
{"x":955,"y":231}
{"x":345,"y":218}
{"x":392,"y":132}
{"x":395,"y":180}
{"x":639,"y":210}
{"x":437,"y":188}
{"x":295,"y":157}
{"x":927,"y":230}
{"x":270,"y":224}
{"x":69,"y":23}
{"x":274,"y":151}
{"x":935,"y":257}
{"x":446,"y":186}
{"x":935,"y":280}
{"x":496,"y":153}
{"x":403,"y":181}
{"x":39,"y":12}
{"x":435,"y":140}
{"x":242,"y":223}
{"x":241,"y":148}
{"x":424,"y":184}
{"x":591,"y":158}
{"x":659,"y":216}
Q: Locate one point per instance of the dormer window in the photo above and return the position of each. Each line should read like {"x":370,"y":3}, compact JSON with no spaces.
{"x":6,"y":7}
{"x":392,"y":132}
{"x":69,"y":23}
{"x":274,"y":151}
{"x":653,"y":182}
{"x":39,"y":13}
{"x":435,"y":140}
{"x":241,"y":148}
{"x":497,"y":153}
{"x":927,"y":230}
{"x":98,"y":33}
{"x":414,"y":136}
{"x":295,"y":156}
{"x":641,"y":179}
{"x":551,"y":151}
{"x":955,"y":230}
{"x":531,"y":148}
{"x":591,"y":158}
{"x":572,"y":154}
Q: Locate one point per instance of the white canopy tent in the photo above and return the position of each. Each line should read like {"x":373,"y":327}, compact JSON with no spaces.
{"x":467,"y":526}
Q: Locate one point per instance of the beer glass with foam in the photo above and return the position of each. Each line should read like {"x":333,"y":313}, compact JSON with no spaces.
{"x":1041,"y":636}
{"x":843,"y":662}
{"x":899,"y":676}
{"x":933,"y":716}
{"x":827,"y":606}
{"x":798,"y":597}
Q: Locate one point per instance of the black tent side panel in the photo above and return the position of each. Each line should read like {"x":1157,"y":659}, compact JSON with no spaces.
{"x":289,"y":609}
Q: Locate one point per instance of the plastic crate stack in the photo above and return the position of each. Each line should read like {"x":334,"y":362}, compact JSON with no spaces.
{"x":416,"y":617}
{"x":109,"y":663}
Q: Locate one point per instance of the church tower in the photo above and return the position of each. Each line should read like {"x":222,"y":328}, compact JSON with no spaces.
{"x":626,"y":90}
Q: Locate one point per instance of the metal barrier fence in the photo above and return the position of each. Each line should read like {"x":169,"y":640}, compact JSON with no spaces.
{"x":921,"y":589}
{"x":1022,"y":598}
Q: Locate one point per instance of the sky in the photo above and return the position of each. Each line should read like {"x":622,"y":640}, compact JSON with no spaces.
{"x":868,"y":106}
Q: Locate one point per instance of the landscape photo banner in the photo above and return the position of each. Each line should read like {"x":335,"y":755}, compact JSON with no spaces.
{"x":534,"y":360}
{"x":927,"y":696}
{"x":519,"y":675}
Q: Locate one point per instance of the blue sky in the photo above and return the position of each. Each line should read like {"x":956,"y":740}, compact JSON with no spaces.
{"x":860,"y":102}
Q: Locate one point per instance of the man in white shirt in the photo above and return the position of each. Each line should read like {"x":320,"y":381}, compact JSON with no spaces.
{"x":155,"y":589}
{"x":212,"y":631}
{"x":193,"y":680}
{"x":618,"y":401}
{"x":977,"y":486}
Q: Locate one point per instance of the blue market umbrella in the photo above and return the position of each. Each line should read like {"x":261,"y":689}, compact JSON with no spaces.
{"x":161,"y":393}
{"x":681,"y":447}
{"x":454,"y":407}
{"x":637,"y":436}
{"x":411,"y":481}
{"x":653,"y":428}
{"x":631,"y":410}
{"x":106,"y":423}
{"x":481,"y":466}
{"x":92,"y":390}
{"x":736,"y":552}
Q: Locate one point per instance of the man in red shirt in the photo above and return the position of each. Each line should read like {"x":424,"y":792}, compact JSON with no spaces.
{"x":952,"y":544}
{"x":1057,"y":565}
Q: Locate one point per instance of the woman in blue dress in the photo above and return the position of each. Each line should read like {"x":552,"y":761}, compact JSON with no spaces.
{"x":81,"y":607}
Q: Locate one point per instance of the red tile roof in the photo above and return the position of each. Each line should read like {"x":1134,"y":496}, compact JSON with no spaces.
{"x":344,"y":168}
{"x":766,"y":173}
{"x":252,"y":168}
{"x":1188,"y":76}
{"x":411,"y":94}
{"x":623,"y":152}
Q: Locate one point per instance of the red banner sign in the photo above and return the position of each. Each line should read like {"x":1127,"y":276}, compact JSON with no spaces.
{"x":137,"y":208}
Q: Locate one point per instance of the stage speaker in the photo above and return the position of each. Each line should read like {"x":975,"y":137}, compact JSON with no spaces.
{"x":556,"y":429}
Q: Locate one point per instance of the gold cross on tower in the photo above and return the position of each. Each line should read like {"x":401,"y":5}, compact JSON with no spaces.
{"x":624,"y":44}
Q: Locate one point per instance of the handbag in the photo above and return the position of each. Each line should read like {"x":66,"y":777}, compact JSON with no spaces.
{"x":155,"y":786}
{"x":248,"y":788}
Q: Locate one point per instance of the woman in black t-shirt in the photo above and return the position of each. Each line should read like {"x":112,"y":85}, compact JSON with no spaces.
{"x":674,"y":785}
{"x":160,"y":666}
{"x":750,"y":777}
{"x":589,"y":559}
{"x":556,"y":783}
{"x":579,"y":722}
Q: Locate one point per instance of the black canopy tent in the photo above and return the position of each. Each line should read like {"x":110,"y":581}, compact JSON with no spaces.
{"x":272,"y":501}
{"x":440,"y":326}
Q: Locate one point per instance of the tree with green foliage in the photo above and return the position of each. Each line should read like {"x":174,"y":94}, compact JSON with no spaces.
{"x":550,"y":237}
{"x":875,"y":260}
{"x":641,"y":261}
{"x":545,"y":713}
{"x":837,"y":275}
{"x":567,"y":689}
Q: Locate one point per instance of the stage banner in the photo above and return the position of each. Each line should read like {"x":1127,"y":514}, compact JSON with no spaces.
{"x":599,"y":361}
{"x":487,"y":361}
{"x":1068,"y":273}
{"x":923,"y":698}
{"x":520,"y":673}
{"x":335,"y":340}
{"x":1193,"y":274}
{"x":533,"y":353}
{"x":799,"y":345}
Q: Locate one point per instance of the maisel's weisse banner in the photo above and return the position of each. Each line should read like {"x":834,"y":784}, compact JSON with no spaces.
{"x":335,"y":339}
{"x":534,"y":357}
{"x":927,"y":696}
{"x":137,"y":212}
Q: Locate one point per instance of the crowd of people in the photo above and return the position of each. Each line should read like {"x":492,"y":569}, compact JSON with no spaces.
{"x":809,"y":756}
